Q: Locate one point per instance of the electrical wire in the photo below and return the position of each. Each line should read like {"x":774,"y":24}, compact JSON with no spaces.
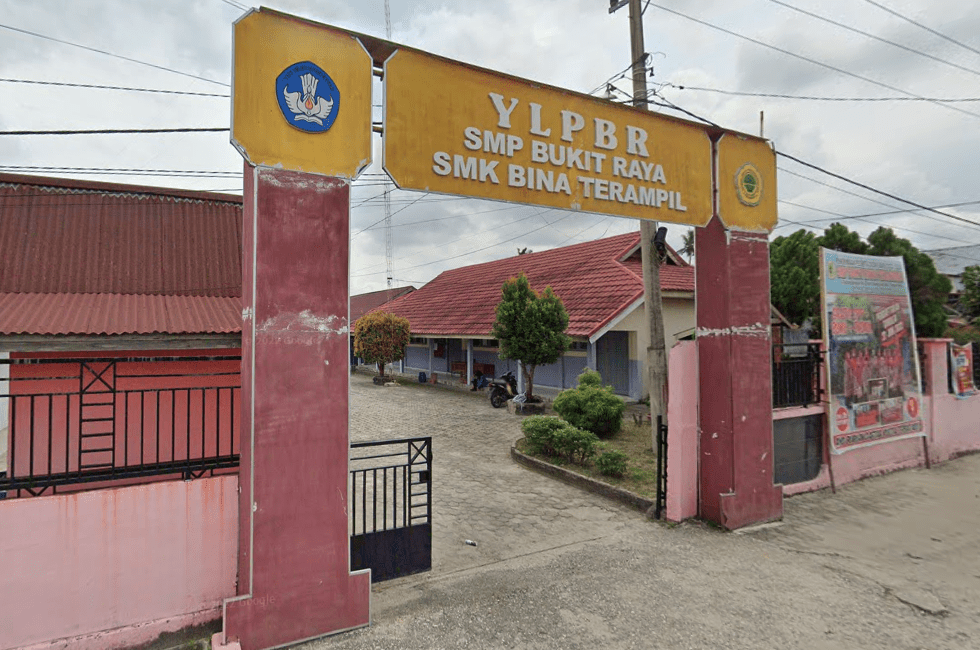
{"x":809,"y":60}
{"x":877,"y":38}
{"x":391,"y":215}
{"x":920,"y":25}
{"x":236,"y":5}
{"x":479,"y":250}
{"x":818,"y":98}
{"x":842,"y":217}
{"x":104,"y":87}
{"x":117,"y":56}
{"x":844,"y":178}
{"x":216,"y":129}
{"x":875,"y":190}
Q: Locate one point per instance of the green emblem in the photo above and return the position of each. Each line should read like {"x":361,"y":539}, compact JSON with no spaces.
{"x":748,"y":185}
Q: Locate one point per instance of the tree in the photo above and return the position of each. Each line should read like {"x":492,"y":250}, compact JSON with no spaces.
{"x":794,"y":263}
{"x":688,"y":244}
{"x":380,"y":337}
{"x":928,"y":288}
{"x":970,"y":298}
{"x":837,"y":237}
{"x":530,"y":327}
{"x":794,"y":269}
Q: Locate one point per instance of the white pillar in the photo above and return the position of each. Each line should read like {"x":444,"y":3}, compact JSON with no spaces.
{"x":430,"y":356}
{"x":520,"y":377}
{"x":590,"y":362}
{"x":469,"y":361}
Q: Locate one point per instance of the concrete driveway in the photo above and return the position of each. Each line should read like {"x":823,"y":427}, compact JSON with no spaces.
{"x":891,"y":562}
{"x":479,"y":493}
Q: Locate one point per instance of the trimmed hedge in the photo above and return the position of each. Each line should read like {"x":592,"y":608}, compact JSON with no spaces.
{"x":591,"y":406}
{"x":553,"y":436}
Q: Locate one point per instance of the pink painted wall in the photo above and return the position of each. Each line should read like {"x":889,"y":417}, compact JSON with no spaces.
{"x":682,"y":432}
{"x":74,"y":565}
{"x":164,"y":424}
{"x":952,"y":428}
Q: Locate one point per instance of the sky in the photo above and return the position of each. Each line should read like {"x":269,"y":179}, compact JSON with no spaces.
{"x":875,"y":107}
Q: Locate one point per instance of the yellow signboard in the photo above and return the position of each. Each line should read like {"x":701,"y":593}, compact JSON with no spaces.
{"x":456,"y":129}
{"x":301,"y":96}
{"x":746,"y":183}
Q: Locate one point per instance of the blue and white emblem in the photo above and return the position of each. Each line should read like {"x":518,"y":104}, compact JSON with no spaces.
{"x":308,"y":97}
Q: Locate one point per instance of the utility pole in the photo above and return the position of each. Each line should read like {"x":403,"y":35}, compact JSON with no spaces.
{"x":656,"y":357}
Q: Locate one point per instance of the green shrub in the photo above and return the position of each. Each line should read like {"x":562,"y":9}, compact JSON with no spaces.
{"x":576,"y":445}
{"x":539,"y":433}
{"x":612,"y":462}
{"x":553,"y":436}
{"x":591,"y":406}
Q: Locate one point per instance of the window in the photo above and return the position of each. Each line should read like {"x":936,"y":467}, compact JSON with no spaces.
{"x":418,"y":340}
{"x":486,"y":343}
{"x":579,"y":346}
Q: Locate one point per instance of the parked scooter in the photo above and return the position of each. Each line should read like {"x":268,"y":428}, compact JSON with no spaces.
{"x":502,"y":389}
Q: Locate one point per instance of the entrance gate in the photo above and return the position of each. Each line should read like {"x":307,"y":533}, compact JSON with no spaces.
{"x":390,"y":493}
{"x":500,"y":138}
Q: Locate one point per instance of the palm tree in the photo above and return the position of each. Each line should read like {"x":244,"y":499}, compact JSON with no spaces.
{"x":688,"y":247}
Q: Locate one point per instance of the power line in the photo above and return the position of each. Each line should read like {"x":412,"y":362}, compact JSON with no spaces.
{"x":843,"y":178}
{"x":809,"y":60}
{"x":235,"y":5}
{"x":217,"y":129}
{"x":823,"y":99}
{"x":474,"y":234}
{"x":479,"y":250}
{"x":99,"y":170}
{"x":842,"y":217}
{"x":387,"y":217}
{"x":876,"y":191}
{"x":877,"y":38}
{"x":104,"y":87}
{"x":117,"y":56}
{"x":917,"y":24}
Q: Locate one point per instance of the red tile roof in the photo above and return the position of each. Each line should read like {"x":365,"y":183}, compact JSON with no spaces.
{"x":594,"y":285}
{"x":85,"y":257}
{"x":365,"y":302}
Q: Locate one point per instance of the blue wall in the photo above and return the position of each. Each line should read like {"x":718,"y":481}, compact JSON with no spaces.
{"x":417,"y":358}
{"x":563,"y":374}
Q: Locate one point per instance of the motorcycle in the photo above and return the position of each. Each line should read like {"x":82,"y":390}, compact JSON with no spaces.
{"x":502,"y":389}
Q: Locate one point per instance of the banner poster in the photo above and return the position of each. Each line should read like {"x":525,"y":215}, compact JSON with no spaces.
{"x":961,"y":369}
{"x":872,"y":361}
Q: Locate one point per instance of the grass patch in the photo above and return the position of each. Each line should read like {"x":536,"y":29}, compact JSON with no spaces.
{"x":636,"y":441}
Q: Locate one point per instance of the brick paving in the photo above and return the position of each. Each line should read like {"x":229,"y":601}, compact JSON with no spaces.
{"x":479,"y":493}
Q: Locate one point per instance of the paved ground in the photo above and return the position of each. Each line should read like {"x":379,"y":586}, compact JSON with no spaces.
{"x":557,"y":568}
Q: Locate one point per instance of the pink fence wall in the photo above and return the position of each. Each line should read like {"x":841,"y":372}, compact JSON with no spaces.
{"x":164,"y":411}
{"x":682,"y":432}
{"x":952,"y":428}
{"x":115,"y":568}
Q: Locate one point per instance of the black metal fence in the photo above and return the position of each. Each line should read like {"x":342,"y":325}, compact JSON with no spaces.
{"x":390,"y":496}
{"x":796,"y":375}
{"x":70,"y":423}
{"x":660,"y":509}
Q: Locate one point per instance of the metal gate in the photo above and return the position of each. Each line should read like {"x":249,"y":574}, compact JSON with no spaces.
{"x":390,"y":495}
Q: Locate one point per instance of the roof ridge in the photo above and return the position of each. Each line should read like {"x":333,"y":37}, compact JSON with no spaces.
{"x":76,"y":186}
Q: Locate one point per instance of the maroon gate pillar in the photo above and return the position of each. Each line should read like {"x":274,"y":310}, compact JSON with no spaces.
{"x":733,"y":335}
{"x":294,"y":564}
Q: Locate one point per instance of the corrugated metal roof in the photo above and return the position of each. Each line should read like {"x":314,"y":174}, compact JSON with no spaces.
{"x":589,"y":278}
{"x":100,"y":314}
{"x":66,"y":236}
{"x":81,"y":257}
